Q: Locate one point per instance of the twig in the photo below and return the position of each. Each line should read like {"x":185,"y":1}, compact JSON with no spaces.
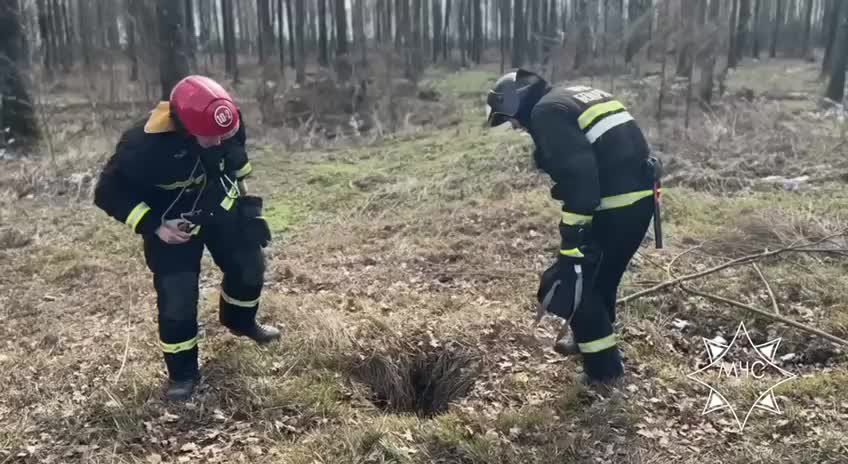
{"x":768,"y":288}
{"x":768,"y":315}
{"x":736,"y":262}
{"x":679,"y":255}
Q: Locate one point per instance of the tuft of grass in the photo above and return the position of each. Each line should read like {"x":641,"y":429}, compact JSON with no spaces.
{"x":817,"y":385}
{"x":449,"y":438}
{"x":524,"y":419}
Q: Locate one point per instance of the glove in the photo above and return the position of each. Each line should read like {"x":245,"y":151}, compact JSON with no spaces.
{"x":253,"y":227}
{"x":561,"y":287}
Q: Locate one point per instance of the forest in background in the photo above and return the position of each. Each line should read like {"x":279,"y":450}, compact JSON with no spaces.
{"x":275,"y":51}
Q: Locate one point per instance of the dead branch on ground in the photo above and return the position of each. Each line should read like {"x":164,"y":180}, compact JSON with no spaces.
{"x":767,"y":314}
{"x":768,"y":288}
{"x":736,"y":262}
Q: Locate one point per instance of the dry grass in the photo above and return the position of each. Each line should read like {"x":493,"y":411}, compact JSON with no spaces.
{"x":403,"y":275}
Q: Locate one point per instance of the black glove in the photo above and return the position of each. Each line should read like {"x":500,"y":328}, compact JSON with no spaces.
{"x":252,"y":226}
{"x":561,"y":286}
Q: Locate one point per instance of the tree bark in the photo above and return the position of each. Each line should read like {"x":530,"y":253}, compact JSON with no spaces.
{"x":46,"y":40}
{"x":518,"y":34}
{"x":230,"y":44}
{"x":437,"y":29}
{"x":292,"y":34}
{"x":300,"y":71}
{"x":705,"y":91}
{"x":478,"y":32}
{"x":755,"y":29}
{"x":281,"y":46}
{"x":731,"y":49}
{"x":806,"y":51}
{"x":425,"y":30}
{"x":836,"y":8}
{"x":446,"y":24}
{"x":266,"y":31}
{"x":323,"y":55}
{"x":742,"y":28}
{"x":16,"y":110}
{"x":190,"y":37}
{"x":778,"y":21}
{"x":132,"y":53}
{"x":581,"y":55}
{"x":684,"y":55}
{"x":173,"y":64}
{"x":358,"y":18}
{"x":836,"y":84}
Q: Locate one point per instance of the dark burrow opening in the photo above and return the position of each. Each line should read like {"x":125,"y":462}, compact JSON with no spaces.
{"x":419,"y":381}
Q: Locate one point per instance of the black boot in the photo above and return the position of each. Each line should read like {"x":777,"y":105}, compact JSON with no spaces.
{"x":260,"y":333}
{"x":181,"y":390}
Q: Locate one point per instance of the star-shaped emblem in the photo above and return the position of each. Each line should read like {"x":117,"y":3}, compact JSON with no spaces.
{"x":717,"y":351}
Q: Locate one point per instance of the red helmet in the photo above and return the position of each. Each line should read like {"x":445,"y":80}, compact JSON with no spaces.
{"x":204,"y":108}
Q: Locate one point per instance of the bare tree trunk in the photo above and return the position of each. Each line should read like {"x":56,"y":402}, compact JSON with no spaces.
{"x":46,"y":41}
{"x":742,"y":28}
{"x":16,"y":110}
{"x":503,"y":5}
{"x":778,"y":21}
{"x":478,"y":32}
{"x":705,"y":91}
{"x":836,"y":84}
{"x":425,"y":31}
{"x":400,"y":5}
{"x":173,"y":64}
{"x":437,"y":29}
{"x":581,"y":55}
{"x":731,"y":49}
{"x":300,"y":71}
{"x":323,"y":55}
{"x":755,"y":29}
{"x":663,"y":24}
{"x":806,"y":51}
{"x":266,"y":32}
{"x":132,"y":54}
{"x":292,"y":34}
{"x":445,"y":38}
{"x":518,"y":34}
{"x":836,"y":8}
{"x":281,"y":46}
{"x":638,"y":22}
{"x":684,"y":55}
{"x":359,"y":37}
{"x":190,"y":37}
{"x":230,"y":44}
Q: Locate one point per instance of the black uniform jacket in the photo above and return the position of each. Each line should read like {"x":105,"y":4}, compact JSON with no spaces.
{"x":593,"y":150}
{"x":158,"y":172}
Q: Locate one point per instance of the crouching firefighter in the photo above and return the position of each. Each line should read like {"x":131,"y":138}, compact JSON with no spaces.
{"x":177,"y":178}
{"x":600,"y":163}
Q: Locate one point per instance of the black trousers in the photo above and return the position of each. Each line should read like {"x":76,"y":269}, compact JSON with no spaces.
{"x":176,"y":271}
{"x":617,"y":233}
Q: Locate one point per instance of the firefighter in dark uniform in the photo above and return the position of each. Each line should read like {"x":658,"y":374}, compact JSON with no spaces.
{"x":607,"y":180}
{"x":177,"y":178}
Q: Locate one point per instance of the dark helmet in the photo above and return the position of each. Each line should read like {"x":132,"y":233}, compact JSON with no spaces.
{"x":505,"y":98}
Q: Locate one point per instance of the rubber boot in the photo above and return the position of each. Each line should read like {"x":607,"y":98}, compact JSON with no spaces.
{"x":565,"y":344}
{"x":260,"y":333}
{"x":181,"y":390}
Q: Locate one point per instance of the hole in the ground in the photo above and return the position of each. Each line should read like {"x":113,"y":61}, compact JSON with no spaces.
{"x":418,"y":381}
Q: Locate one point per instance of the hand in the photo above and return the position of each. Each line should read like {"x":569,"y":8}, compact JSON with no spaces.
{"x":561,"y":287}
{"x":170,"y":232}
